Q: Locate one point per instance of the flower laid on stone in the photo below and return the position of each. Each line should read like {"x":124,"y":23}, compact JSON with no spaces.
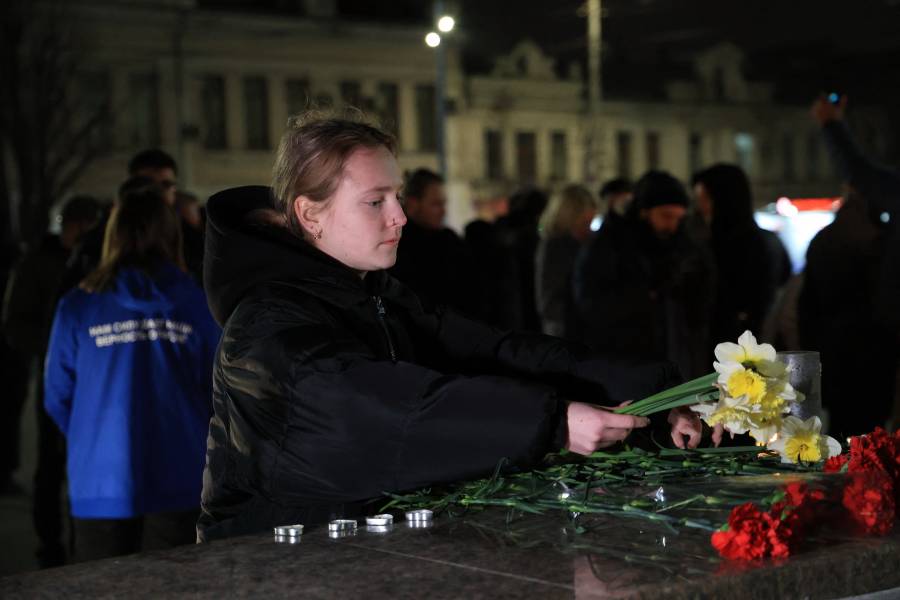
{"x":802,"y":442}
{"x":749,"y":392}
{"x":869,"y":500}
{"x":878,"y":451}
{"x":752,"y":534}
{"x":865,"y":502}
{"x":755,"y":390}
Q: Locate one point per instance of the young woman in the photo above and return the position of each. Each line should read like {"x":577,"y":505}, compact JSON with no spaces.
{"x":743,"y":252}
{"x":128,"y":381}
{"x":334,"y":383}
{"x":565,"y":225}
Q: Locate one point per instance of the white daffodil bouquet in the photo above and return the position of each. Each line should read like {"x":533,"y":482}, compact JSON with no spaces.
{"x":749,"y":392}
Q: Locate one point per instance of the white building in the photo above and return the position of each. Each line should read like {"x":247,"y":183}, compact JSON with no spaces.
{"x":215,"y":90}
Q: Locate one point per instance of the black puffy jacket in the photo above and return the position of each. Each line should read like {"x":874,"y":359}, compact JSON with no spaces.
{"x":330,"y":390}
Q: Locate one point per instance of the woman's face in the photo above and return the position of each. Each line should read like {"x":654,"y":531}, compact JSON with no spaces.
{"x":362,"y":222}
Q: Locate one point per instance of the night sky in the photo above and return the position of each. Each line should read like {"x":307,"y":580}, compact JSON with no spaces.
{"x":803,"y":46}
{"x":824,"y":43}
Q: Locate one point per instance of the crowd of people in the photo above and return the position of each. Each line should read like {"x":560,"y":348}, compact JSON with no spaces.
{"x":290,"y":353}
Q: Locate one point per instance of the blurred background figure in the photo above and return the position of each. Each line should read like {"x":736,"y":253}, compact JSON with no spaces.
{"x":147,"y":168}
{"x":483,"y":246}
{"x":838,"y":318}
{"x":158,"y":166}
{"x":30,"y":302}
{"x":128,"y":382}
{"x":616,"y":196}
{"x":517,"y":240}
{"x":743,"y":253}
{"x":431,"y":258}
{"x":565,"y":226}
{"x":14,"y":370}
{"x":852,"y":285}
{"x":642,"y":286}
{"x":193,"y":225}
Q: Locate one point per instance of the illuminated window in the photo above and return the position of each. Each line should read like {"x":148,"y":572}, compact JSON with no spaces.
{"x":388,"y":106}
{"x":526,"y":156}
{"x":493,"y":152}
{"x":143,"y":90}
{"x":559,"y":155}
{"x":297,"y":95}
{"x":256,"y":112}
{"x":743,"y":149}
{"x":426,"y":119}
{"x":212,"y":96}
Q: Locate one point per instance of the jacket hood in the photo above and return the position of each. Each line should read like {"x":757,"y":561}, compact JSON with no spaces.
{"x":136,"y":289}
{"x":245,"y":249}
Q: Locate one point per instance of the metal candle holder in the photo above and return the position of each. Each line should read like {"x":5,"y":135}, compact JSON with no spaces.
{"x":805,"y":376}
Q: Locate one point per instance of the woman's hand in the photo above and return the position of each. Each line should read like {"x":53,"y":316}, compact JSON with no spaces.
{"x":592,"y":427}
{"x":685,"y":424}
{"x":718,"y":432}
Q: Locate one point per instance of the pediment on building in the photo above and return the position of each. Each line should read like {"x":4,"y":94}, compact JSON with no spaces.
{"x":526,"y":61}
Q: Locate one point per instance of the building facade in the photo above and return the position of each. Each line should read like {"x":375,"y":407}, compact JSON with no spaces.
{"x":215,"y":89}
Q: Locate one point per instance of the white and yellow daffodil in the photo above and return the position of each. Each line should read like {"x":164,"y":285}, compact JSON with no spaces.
{"x":738,"y":380}
{"x":801,"y":441}
{"x":765,"y":427}
{"x":736,"y":414}
{"x":749,"y":355}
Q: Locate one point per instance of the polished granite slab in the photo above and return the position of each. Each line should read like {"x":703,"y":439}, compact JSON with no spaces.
{"x":486,"y":554}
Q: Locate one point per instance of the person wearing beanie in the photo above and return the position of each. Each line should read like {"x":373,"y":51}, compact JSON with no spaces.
{"x":642,"y":286}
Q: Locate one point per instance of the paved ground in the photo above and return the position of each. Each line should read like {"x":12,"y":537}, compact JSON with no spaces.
{"x":17,"y":539}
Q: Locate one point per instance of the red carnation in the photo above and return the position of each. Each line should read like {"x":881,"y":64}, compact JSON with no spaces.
{"x":752,"y":535}
{"x":869,"y":500}
{"x":835,"y":464}
{"x":801,"y":507}
{"x":877,"y":452}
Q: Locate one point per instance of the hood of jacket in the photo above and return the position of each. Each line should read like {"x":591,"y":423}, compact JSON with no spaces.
{"x":246,"y":249}
{"x":160,"y":290}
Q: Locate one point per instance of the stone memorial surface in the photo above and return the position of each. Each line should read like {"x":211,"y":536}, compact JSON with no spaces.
{"x":496,"y":553}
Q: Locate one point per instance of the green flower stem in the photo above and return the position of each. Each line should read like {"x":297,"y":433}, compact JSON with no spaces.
{"x":688,"y":399}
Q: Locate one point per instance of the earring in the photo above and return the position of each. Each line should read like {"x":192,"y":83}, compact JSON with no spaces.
{"x":317,"y":235}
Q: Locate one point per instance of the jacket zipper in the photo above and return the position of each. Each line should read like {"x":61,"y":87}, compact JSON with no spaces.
{"x":379,"y":307}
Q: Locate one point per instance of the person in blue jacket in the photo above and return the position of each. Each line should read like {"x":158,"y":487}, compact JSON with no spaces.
{"x":128,"y":381}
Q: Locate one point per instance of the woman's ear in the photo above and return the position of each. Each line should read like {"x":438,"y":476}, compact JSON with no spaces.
{"x":308,"y":215}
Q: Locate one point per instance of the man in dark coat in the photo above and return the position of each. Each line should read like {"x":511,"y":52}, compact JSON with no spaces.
{"x":879,"y":186}
{"x":838,"y":318}
{"x":28,"y":309}
{"x":431,"y":258}
{"x":14,"y":371}
{"x":848,"y":307}
{"x":642,"y":286}
{"x":517,"y":239}
{"x":148,"y":167}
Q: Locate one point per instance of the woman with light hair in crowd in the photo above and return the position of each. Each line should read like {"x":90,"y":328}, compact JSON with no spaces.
{"x":128,"y":382}
{"x":565,"y":225}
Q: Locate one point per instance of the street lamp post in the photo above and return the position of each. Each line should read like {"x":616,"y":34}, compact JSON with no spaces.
{"x":445,"y":24}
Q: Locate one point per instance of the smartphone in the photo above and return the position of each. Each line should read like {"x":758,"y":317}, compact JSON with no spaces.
{"x":834,"y":98}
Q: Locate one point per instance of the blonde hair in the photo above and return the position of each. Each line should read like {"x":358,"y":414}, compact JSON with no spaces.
{"x":143,"y":232}
{"x":312,"y":154}
{"x":564,"y":208}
